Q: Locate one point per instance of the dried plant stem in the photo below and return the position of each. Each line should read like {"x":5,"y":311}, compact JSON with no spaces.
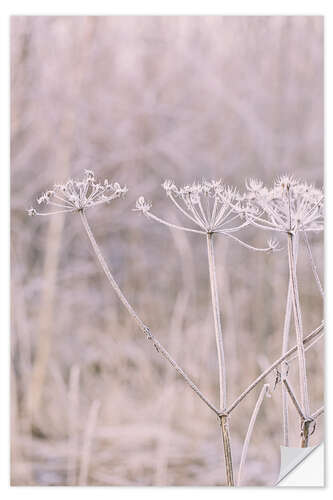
{"x":317,"y":413}
{"x":305,"y":432}
{"x":158,"y":346}
{"x":299,"y":328}
{"x":221,"y":361}
{"x":284,"y":366}
{"x":313,"y":264}
{"x":305,"y":422}
{"x":224,"y":422}
{"x":87,"y":442}
{"x":45,"y":327}
{"x":257,"y":407}
{"x":73,"y":420}
{"x":217,"y":322}
{"x":305,"y":426}
{"x":293,"y":398}
{"x":276,"y":363}
{"x":307,"y":346}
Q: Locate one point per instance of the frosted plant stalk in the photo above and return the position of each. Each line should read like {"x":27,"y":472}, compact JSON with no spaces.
{"x":289,"y":207}
{"x":80,"y":195}
{"x":210,"y":206}
{"x":284,"y":366}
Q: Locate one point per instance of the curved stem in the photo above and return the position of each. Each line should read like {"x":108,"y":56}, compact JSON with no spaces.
{"x":262,"y":394}
{"x":158,"y":346}
{"x":246,"y":245}
{"x":182,"y":209}
{"x":173,"y":226}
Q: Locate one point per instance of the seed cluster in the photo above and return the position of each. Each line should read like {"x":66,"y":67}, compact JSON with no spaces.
{"x":290,"y":205}
{"x":76,"y":195}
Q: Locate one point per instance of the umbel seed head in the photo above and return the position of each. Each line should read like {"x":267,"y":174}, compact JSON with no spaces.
{"x":290,"y":205}
{"x":77,"y":195}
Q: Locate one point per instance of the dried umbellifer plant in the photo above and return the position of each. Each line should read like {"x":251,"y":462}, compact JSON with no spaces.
{"x":215,"y":209}
{"x":291,"y":207}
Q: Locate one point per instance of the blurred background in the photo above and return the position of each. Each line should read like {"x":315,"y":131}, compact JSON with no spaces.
{"x":139,"y":100}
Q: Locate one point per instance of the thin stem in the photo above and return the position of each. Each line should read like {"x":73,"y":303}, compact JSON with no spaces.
{"x":87,"y":442}
{"x":174,"y":226}
{"x":317,"y":413}
{"x":284,"y":366}
{"x":257,"y":407}
{"x":57,"y":212}
{"x":307,"y":347}
{"x":293,"y":398}
{"x":217,"y":322}
{"x":305,"y":431}
{"x":246,"y":245}
{"x":224,"y":420}
{"x":276,"y":363}
{"x":313,"y":264}
{"x":298,"y":328}
{"x":158,"y":346}
{"x":182,"y":210}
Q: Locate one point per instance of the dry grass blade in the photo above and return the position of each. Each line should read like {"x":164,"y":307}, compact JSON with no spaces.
{"x":87,"y":442}
{"x":73,"y":424}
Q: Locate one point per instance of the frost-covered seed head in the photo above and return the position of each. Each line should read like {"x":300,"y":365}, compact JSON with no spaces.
{"x":210,"y":204}
{"x":76,"y":195}
{"x":290,"y":205}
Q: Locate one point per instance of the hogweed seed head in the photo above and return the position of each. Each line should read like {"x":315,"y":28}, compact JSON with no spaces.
{"x":208,"y":204}
{"x":76,"y":195}
{"x":290,"y":205}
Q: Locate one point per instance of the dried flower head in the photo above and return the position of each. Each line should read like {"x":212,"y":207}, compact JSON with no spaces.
{"x":211,"y":205}
{"x":142,"y":205}
{"x":289,"y":206}
{"x":76,"y":195}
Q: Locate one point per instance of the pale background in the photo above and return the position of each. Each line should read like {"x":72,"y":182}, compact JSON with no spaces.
{"x":141,"y":99}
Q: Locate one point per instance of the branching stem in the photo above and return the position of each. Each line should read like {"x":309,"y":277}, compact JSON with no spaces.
{"x":158,"y":346}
